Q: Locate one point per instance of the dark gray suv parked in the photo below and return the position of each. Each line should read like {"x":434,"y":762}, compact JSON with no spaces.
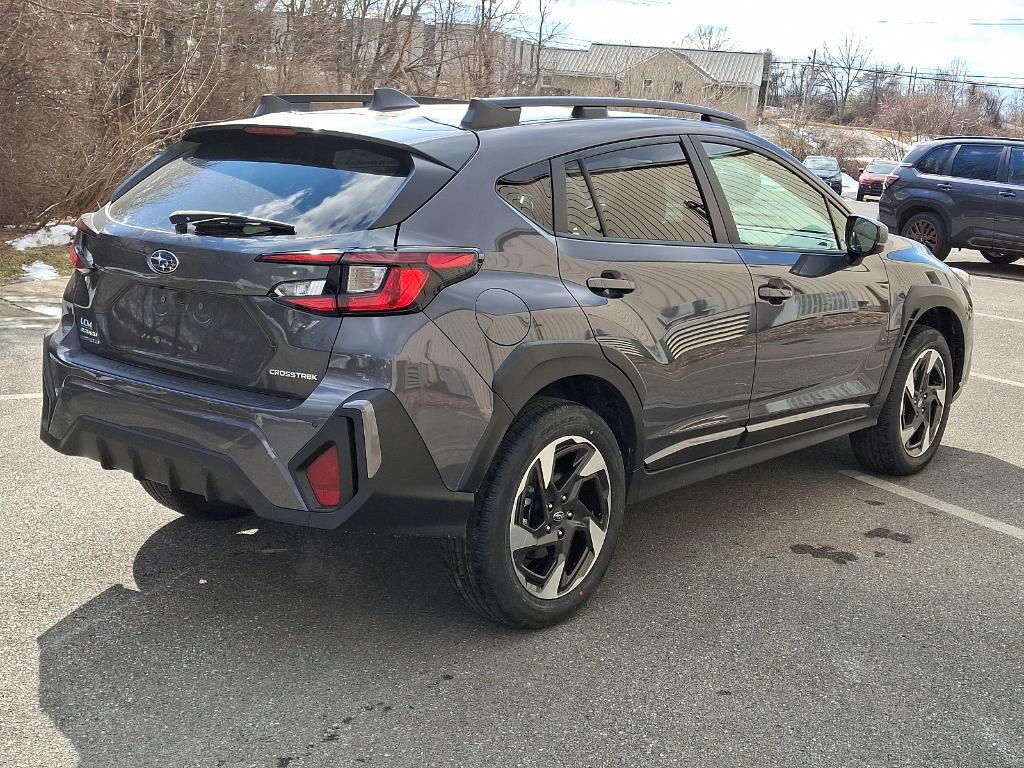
{"x":497,"y":323}
{"x":960,"y":192}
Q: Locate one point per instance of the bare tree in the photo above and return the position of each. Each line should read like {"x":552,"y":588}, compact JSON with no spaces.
{"x":708,"y":37}
{"x":542,"y":33}
{"x":840,"y":72}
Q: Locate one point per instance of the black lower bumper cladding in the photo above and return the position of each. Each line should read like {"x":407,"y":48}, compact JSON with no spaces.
{"x":400,"y":491}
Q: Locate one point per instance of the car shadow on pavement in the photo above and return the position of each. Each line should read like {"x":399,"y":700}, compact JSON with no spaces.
{"x":1013,"y":271}
{"x":257,"y":644}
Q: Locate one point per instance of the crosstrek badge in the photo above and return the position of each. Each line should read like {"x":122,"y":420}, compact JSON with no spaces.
{"x":292,"y":374}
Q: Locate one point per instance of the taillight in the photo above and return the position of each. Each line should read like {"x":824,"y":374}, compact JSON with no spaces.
{"x":373,"y":282}
{"x":889,"y":180}
{"x":324,"y":476}
{"x":81,"y":258}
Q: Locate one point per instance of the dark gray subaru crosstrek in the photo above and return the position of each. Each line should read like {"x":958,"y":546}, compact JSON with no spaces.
{"x":498,"y":323}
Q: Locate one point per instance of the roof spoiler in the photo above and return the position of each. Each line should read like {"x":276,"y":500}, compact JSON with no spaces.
{"x":503,"y":111}
{"x":381,"y":100}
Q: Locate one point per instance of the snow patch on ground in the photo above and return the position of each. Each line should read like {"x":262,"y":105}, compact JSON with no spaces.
{"x":39,"y":270}
{"x":51,"y":234}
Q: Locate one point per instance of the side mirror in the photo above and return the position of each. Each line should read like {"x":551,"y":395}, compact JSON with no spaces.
{"x":865,"y":237}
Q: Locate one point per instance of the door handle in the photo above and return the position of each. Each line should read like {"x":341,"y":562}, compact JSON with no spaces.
{"x":611,"y":287}
{"x":775,"y":293}
{"x":944,"y":186}
{"x":1007,"y":193}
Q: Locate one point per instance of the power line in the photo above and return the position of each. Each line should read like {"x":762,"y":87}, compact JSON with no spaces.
{"x":932,"y":76}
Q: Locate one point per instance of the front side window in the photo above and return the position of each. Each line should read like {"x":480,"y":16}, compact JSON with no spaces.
{"x":935,"y":161}
{"x":649,"y":193}
{"x":977,"y":161}
{"x":528,"y":190}
{"x":1016,"y":166}
{"x":772,"y":206}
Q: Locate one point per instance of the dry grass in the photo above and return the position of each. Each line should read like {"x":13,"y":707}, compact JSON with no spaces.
{"x":11,"y":260}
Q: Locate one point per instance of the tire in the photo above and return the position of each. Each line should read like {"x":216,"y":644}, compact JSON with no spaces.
{"x":860,"y":196}
{"x":997,"y":257}
{"x":928,"y":229}
{"x":528,"y":563}
{"x":191,"y":504}
{"x":884,"y":447}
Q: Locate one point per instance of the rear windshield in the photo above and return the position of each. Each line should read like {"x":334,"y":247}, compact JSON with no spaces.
{"x":822,"y":163}
{"x":880,"y":168}
{"x":318,"y":184}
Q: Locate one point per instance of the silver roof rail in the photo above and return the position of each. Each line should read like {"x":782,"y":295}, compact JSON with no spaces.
{"x":501,"y":111}
{"x":381,"y":100}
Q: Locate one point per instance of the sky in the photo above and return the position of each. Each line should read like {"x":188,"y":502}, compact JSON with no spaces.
{"x":922,"y":35}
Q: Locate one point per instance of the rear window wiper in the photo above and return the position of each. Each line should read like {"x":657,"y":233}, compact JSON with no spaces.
{"x":227,"y":224}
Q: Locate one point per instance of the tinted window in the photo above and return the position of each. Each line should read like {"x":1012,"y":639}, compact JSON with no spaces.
{"x":528,"y":190}
{"x":771,"y":205}
{"x":880,"y":168}
{"x":935,"y":161}
{"x":317,"y":184}
{"x":1016,"y":166}
{"x":816,"y":163}
{"x":649,"y":193}
{"x":581,"y":214}
{"x":977,"y":161}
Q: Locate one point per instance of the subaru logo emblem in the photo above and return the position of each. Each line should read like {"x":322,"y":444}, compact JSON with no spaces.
{"x":558,"y":515}
{"x":163,"y":262}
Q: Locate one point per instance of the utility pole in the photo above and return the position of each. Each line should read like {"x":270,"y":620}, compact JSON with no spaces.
{"x":807,"y":82}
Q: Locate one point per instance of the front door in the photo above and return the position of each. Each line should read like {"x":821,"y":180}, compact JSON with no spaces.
{"x":974,"y":188}
{"x":637,"y":246}
{"x":1008,"y":208}
{"x":821,"y":318}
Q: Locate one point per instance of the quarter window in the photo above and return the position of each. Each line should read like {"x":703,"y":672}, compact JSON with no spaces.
{"x":581,"y":214}
{"x":528,"y":190}
{"x":771,"y":205}
{"x":977,"y":161}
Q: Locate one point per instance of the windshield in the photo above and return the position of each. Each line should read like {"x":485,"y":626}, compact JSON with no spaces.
{"x":880,"y":168}
{"x":317,"y":184}
{"x":822,"y":163}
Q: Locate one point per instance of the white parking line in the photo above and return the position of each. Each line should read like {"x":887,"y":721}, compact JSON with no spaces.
{"x":25,"y":396}
{"x":997,"y":379}
{"x":1000,"y":317}
{"x":939,"y":505}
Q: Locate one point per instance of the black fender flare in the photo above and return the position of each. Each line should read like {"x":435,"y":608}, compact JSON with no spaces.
{"x":532,"y":367}
{"x":918,"y":300}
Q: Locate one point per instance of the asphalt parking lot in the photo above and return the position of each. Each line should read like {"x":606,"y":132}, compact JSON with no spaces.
{"x":786,"y":615}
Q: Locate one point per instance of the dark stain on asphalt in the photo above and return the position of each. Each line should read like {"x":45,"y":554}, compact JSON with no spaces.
{"x":879,"y":554}
{"x":825,"y":552}
{"x":724,"y":693}
{"x":447,"y":677}
{"x":874,"y":502}
{"x":885,"y":533}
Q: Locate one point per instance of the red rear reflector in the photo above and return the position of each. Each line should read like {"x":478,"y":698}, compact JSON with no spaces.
{"x":450,"y":260}
{"x":324,"y":475}
{"x":308,"y":257}
{"x":269,"y":130}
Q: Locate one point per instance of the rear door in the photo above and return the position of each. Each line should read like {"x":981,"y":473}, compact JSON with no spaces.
{"x":637,"y":246}
{"x":200,"y":301}
{"x":821,"y":319}
{"x":974,"y":188}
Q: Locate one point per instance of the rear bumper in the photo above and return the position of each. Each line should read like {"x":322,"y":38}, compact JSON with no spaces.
{"x":251,"y":450}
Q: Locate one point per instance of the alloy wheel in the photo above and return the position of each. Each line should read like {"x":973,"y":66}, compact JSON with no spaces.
{"x":560,"y":517}
{"x":924,"y":232}
{"x":924,"y":402}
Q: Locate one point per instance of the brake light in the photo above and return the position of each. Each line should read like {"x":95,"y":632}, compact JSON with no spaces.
{"x":79,"y":254}
{"x":324,"y":476}
{"x":374,"y":282}
{"x":889,"y":180}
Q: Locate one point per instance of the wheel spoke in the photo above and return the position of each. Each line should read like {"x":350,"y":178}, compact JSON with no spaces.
{"x":521,"y":538}
{"x":587,"y":466}
{"x":549,"y":589}
{"x":546,"y":460}
{"x":596,"y":536}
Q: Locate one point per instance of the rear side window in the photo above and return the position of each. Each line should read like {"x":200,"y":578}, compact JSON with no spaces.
{"x":581,"y":214}
{"x":649,"y":193}
{"x":977,"y":161}
{"x":318,"y":184}
{"x":528,"y":190}
{"x":1016,"y":166}
{"x":935,"y":161}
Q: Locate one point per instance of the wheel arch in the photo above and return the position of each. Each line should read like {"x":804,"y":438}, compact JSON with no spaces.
{"x":915,"y":207}
{"x":577,"y":372}
{"x":936,"y":307}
